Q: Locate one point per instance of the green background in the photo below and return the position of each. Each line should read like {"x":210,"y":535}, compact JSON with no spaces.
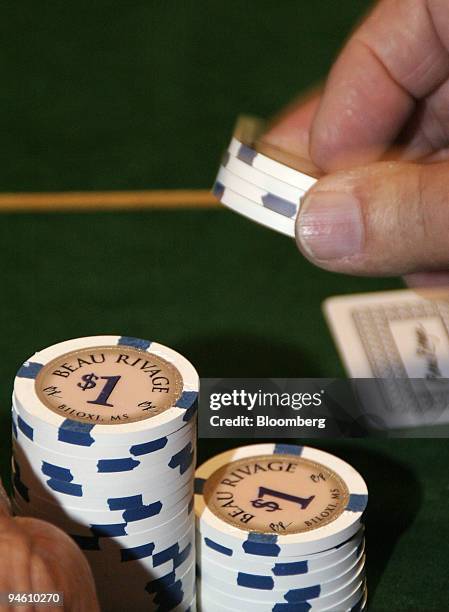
{"x":143,"y":95}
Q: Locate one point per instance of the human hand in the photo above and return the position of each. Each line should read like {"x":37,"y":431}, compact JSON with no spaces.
{"x":36,"y":557}
{"x":387,"y":91}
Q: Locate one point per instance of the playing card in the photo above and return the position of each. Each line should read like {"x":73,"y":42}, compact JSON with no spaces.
{"x":400,"y":338}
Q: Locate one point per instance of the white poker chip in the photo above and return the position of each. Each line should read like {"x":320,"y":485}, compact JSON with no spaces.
{"x":178,"y":561}
{"x":276,"y":499}
{"x":127,"y":522}
{"x":278,"y":565}
{"x":248,"y":178}
{"x":149,"y":553}
{"x":105,"y":472}
{"x":267,"y":199}
{"x":252,"y":210}
{"x":263,"y":181}
{"x":246,"y":133}
{"x":341,"y":599}
{"x":213,"y":601}
{"x":107,"y":389}
{"x":292,"y":592}
{"x":257,"y":160}
{"x":134,"y":541}
{"x":115,"y":509}
{"x":255,"y":580}
{"x":92,"y":479}
{"x":115,"y":458}
{"x":119,"y":533}
{"x":88,"y":494}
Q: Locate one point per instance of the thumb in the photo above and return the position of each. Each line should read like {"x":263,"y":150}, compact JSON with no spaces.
{"x":383,"y":219}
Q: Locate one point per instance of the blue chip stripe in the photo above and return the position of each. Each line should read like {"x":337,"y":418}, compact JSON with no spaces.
{"x":198,"y":485}
{"x":168,"y":596}
{"x":168,"y":554}
{"x":218,"y":190}
{"x":288,"y":449}
{"x":187,"y":399}
{"x":137,"y":552}
{"x":261,"y":544}
{"x":137,"y":343}
{"x":279,"y":205}
{"x":290,"y":569}
{"x":252,"y":581}
{"x":30,"y":369}
{"x":218,"y":547}
{"x":76,"y":426}
{"x":125,"y":464}
{"x":57,"y":472}
{"x":305,"y":594}
{"x":141,"y":511}
{"x":246,"y":154}
{"x":148,"y":447}
{"x":26,"y":429}
{"x":183,"y":459}
{"x":295,"y":607}
{"x":154,"y":586}
{"x":68,"y":488}
{"x":125,"y":503}
{"x":183,"y":556}
{"x":73,"y":432}
{"x":109,"y":531}
{"x":190,"y":412}
{"x":357,"y":502}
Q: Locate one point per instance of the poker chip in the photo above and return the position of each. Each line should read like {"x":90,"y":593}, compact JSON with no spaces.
{"x":114,"y":458}
{"x":104,"y":447}
{"x":267,"y":199}
{"x":252,"y":210}
{"x":263,"y":181}
{"x":280,"y":525}
{"x":213,"y":601}
{"x":64,"y":391}
{"x":267,"y":580}
{"x":278,"y":565}
{"x":242,"y":588}
{"x":258,"y":186}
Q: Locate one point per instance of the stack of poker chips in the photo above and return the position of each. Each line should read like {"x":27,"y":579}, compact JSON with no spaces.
{"x":279,"y":529}
{"x":257,"y":185}
{"x":104,"y":447}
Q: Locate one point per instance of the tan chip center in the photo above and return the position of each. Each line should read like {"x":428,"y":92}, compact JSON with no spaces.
{"x":280,"y":494}
{"x":109,"y":385}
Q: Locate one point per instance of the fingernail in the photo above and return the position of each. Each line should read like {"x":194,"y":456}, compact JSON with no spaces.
{"x":330,"y":225}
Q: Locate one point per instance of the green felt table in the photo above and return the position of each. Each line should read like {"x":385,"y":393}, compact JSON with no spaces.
{"x":143,"y":95}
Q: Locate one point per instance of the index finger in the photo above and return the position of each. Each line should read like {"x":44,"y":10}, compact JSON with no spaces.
{"x":395,"y":57}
